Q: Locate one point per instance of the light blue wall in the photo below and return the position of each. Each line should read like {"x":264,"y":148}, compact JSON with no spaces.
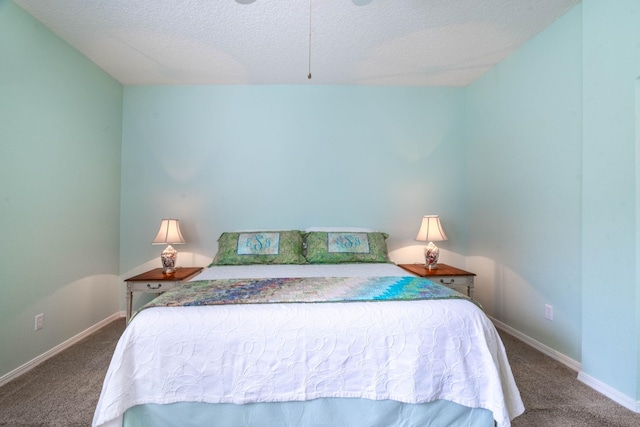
{"x":524,"y":158}
{"x":610,"y":294}
{"x":553,"y":137}
{"x":60,"y":132}
{"x":238,"y":157}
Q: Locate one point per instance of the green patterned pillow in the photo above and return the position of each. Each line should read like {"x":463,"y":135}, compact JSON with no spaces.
{"x":340,"y":247}
{"x":265,"y":247}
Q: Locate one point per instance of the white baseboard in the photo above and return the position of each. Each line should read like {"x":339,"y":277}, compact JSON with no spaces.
{"x":556,"y":355}
{"x":57,"y":349}
{"x":610,"y":392}
{"x":598,"y":386}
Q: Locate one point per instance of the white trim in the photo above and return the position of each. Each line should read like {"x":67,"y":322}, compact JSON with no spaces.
{"x":556,"y":355}
{"x":610,"y":392}
{"x":57,"y":349}
{"x":599,"y":386}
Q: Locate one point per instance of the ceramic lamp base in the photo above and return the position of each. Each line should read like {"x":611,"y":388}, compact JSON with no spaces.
{"x":431,"y":254}
{"x":169,"y":257}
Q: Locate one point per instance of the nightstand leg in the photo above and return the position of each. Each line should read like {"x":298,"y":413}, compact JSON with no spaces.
{"x":129,"y":301}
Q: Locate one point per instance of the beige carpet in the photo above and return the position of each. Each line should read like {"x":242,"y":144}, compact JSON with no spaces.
{"x":64,"y":390}
{"x":553,"y":397}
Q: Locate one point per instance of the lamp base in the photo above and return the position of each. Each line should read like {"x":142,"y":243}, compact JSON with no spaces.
{"x":169,"y":257}
{"x":431,"y":254}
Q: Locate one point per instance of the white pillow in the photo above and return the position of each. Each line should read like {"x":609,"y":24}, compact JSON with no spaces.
{"x":341,"y":229}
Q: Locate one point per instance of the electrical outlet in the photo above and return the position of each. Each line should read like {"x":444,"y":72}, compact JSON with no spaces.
{"x":39,"y":321}
{"x":548,"y":312}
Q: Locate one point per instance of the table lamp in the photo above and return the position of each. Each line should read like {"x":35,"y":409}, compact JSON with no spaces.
{"x":169,"y":234}
{"x":431,"y":231}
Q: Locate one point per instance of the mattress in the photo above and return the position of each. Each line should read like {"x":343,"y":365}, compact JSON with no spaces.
{"x":411,"y":352}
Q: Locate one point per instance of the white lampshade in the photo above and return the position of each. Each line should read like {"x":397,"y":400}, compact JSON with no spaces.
{"x":169,"y":233}
{"x":431,"y":230}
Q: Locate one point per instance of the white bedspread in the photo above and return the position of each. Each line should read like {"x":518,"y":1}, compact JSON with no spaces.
{"x":413,"y":352}
{"x":256,"y":271}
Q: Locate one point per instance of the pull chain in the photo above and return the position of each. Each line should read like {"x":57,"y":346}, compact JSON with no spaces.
{"x":309,"y":76}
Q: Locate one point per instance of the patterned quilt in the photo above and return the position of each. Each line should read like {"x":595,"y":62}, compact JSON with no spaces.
{"x":303,"y":290}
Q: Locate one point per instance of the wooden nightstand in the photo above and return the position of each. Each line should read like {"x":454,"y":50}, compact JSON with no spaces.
{"x":444,"y":274}
{"x":155,"y":282}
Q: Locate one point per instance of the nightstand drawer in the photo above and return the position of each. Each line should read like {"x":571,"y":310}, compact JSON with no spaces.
{"x":156,"y":281}
{"x":443,"y":275}
{"x":451,"y":280}
{"x":152,"y":287}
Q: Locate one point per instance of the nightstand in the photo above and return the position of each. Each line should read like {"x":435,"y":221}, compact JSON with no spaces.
{"x":155,"y":282}
{"x":444,"y":274}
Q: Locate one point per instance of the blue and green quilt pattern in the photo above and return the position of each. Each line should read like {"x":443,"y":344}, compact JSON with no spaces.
{"x":303,"y":290}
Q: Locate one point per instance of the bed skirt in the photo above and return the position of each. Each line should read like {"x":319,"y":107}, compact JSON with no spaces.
{"x":329,"y":412}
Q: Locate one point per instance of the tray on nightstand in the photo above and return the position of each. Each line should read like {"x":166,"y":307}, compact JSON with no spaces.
{"x":444,"y":274}
{"x":155,"y":281}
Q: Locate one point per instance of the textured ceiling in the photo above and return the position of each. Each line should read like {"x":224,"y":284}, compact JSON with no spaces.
{"x":362,"y":42}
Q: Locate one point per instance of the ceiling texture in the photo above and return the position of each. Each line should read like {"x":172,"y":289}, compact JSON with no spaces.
{"x":342,"y":42}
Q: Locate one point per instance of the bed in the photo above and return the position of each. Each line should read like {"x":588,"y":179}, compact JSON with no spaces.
{"x":315,"y":344}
